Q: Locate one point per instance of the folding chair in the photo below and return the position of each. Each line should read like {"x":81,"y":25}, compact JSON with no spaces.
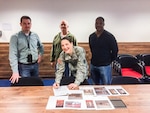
{"x":115,"y":63}
{"x":130,"y":66}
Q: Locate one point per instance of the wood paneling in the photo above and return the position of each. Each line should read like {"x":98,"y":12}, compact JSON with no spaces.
{"x":134,"y":48}
{"x":46,"y":70}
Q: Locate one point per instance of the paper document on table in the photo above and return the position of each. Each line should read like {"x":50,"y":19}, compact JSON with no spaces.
{"x":88,"y":90}
{"x":92,"y":103}
{"x":61,"y":91}
{"x":116,"y":90}
{"x":103,"y":90}
{"x":56,"y":102}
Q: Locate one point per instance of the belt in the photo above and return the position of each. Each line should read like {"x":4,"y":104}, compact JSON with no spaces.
{"x":28,"y":63}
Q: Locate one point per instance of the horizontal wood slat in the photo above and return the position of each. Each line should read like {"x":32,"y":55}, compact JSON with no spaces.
{"x":46,"y":70}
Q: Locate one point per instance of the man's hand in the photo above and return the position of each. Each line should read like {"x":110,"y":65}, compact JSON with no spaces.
{"x":14,"y":78}
{"x":53,"y":64}
{"x":59,"y":61}
{"x":39,"y":58}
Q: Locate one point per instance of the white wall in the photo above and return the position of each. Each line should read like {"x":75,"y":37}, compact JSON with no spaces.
{"x":128,"y":20}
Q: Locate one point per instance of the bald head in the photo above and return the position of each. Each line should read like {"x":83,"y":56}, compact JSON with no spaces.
{"x":64,"y":26}
{"x":64,"y":22}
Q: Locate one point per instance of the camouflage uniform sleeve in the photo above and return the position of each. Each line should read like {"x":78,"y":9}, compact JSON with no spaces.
{"x":82,"y":67}
{"x":60,"y":68}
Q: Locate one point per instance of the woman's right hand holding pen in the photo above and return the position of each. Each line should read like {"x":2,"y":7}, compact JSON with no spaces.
{"x":56,"y":85}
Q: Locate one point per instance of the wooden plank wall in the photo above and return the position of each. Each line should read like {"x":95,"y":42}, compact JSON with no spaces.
{"x":46,"y":70}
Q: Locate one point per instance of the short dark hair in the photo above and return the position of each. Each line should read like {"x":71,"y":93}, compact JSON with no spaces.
{"x":100,"y":17}
{"x":25,"y":17}
{"x":67,"y":38}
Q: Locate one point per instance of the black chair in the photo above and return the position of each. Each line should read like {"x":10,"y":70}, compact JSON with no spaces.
{"x":29,"y":81}
{"x":125,"y":80}
{"x":145,"y":59}
{"x":130,"y":66}
{"x":115,"y":63}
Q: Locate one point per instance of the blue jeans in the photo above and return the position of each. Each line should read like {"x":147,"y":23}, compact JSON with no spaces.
{"x":101,"y":75}
{"x":31,"y":70}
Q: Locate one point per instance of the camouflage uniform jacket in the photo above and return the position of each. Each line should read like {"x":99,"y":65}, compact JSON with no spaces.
{"x":78,"y":65}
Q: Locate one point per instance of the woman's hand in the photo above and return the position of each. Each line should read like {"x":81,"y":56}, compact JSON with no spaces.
{"x":73,"y":86}
{"x":56,"y":85}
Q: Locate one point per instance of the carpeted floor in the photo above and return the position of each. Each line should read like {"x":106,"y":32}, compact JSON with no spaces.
{"x":4,"y":83}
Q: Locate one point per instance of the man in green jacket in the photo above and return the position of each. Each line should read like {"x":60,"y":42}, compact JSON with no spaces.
{"x":56,"y":46}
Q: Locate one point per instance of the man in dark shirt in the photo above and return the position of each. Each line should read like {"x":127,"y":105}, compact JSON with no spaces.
{"x":104,"y":50}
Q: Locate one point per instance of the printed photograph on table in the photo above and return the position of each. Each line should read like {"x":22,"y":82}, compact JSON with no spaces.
{"x":72,"y":104}
{"x":101,"y":91}
{"x":87,"y":91}
{"x":102,"y":104}
{"x":116,"y":90}
{"x":75,"y":96}
{"x":89,"y":104}
{"x":121,"y":91}
{"x":113,"y":91}
{"x":59,"y":103}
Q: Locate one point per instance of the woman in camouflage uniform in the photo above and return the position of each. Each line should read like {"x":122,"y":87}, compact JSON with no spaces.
{"x":75,"y":56}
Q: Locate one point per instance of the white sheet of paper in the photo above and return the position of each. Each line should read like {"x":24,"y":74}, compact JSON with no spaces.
{"x":61,"y":91}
